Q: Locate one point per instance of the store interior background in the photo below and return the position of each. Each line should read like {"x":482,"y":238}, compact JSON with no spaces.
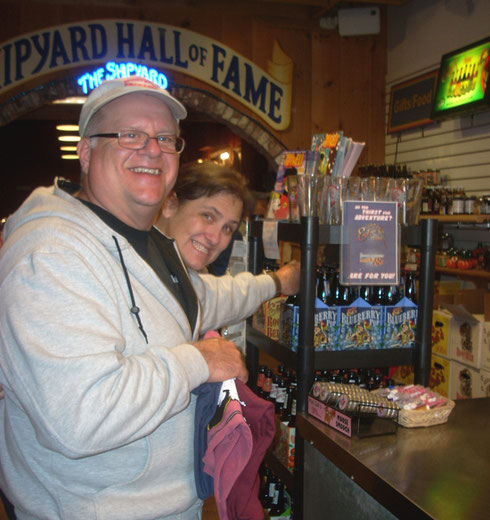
{"x":418,"y":33}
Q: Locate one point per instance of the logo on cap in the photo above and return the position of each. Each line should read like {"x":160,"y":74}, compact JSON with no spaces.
{"x":139,"y":82}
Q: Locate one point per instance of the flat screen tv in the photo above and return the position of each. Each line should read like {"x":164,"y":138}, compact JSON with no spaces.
{"x":462,"y":82}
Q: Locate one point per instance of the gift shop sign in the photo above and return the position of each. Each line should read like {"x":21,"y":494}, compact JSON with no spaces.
{"x":411,"y":102}
{"x":370,"y":243}
{"x":92,"y":44}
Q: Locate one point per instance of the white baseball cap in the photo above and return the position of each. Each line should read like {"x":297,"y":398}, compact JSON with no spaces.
{"x":112,"y":89}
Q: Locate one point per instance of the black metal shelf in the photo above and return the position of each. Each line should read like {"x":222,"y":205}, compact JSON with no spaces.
{"x":278,"y":351}
{"x":309,"y":234}
{"x":335,"y":358}
{"x":279,"y":469}
{"x":327,"y":234}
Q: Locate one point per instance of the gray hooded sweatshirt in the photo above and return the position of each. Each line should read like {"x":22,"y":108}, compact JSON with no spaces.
{"x":97,"y":423}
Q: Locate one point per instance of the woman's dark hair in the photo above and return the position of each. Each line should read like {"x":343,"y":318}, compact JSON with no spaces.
{"x":196,"y":180}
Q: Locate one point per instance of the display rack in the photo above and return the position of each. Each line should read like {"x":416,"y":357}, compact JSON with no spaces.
{"x":310,"y":234}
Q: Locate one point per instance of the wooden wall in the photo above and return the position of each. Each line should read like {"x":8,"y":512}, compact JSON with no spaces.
{"x":338,"y":82}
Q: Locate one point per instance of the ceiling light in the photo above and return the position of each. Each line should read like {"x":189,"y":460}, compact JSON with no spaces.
{"x":69,"y":156}
{"x":224,"y":156}
{"x":68,"y":148}
{"x":70,"y":101}
{"x":67,"y":128}
{"x":69,"y":138}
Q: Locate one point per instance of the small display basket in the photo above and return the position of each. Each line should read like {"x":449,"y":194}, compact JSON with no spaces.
{"x":422,"y":417}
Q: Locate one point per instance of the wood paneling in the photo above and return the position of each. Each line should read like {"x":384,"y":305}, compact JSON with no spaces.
{"x":338,"y":82}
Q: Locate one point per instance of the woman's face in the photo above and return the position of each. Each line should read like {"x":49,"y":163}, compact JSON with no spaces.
{"x":203,"y":227}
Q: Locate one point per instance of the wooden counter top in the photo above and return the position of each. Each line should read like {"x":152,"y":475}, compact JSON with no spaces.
{"x":440,"y":472}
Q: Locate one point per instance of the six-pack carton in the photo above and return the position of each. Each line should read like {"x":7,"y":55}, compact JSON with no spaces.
{"x":361,"y":326}
{"x":325,"y":326}
{"x":400,"y":324}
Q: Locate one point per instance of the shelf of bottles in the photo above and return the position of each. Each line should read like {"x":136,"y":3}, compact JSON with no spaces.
{"x":471,"y":263}
{"x":454,"y":204}
{"x":274,"y":493}
{"x":309,"y":233}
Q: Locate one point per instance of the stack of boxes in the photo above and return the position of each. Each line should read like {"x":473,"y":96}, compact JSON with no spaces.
{"x":460,"y":362}
{"x":460,"y":353}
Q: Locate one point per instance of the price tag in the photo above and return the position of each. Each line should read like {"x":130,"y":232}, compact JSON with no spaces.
{"x":269,"y":239}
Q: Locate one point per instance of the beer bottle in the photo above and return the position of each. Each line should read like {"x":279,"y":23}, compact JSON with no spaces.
{"x":411,"y":287}
{"x":267,"y":385}
{"x":288,"y":401}
{"x":292,"y":413}
{"x":274,"y":386}
{"x":281,"y":395}
{"x":271,"y":490}
{"x":260,"y":379}
{"x":323,"y":284}
{"x":264,"y":487}
{"x":279,"y":503}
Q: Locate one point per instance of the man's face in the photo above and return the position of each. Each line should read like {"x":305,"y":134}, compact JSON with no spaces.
{"x":130,"y":184}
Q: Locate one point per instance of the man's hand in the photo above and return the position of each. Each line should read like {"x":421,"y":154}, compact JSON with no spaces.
{"x":289,"y":276}
{"x":224,"y":359}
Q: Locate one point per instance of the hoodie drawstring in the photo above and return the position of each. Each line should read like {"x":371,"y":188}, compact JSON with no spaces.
{"x":134,"y":308}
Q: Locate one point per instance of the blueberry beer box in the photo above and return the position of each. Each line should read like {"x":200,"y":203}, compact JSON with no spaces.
{"x":361,"y":326}
{"x":400,"y":323}
{"x":326,"y":326}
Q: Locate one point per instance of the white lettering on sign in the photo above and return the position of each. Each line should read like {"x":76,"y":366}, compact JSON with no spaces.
{"x":149,"y":47}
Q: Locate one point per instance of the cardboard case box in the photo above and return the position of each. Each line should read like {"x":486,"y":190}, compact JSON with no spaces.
{"x":465,"y":381}
{"x":455,"y":380}
{"x":440,"y":375}
{"x":284,"y":444}
{"x":485,"y":346}
{"x":457,"y":334}
{"x":440,"y":332}
{"x":465,"y":336}
{"x":484,"y":387}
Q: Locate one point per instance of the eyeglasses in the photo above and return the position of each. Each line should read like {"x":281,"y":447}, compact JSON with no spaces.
{"x":134,"y":140}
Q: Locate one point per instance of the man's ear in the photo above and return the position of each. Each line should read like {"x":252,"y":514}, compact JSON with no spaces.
{"x":170,"y":206}
{"x":84,"y":152}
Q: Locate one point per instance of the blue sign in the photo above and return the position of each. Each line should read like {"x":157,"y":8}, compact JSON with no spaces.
{"x":112,"y":70}
{"x":369,"y":249}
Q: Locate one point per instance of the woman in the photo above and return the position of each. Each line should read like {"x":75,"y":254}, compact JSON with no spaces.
{"x":204,"y":211}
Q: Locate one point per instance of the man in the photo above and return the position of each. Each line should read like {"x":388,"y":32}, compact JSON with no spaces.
{"x":99,"y":324}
